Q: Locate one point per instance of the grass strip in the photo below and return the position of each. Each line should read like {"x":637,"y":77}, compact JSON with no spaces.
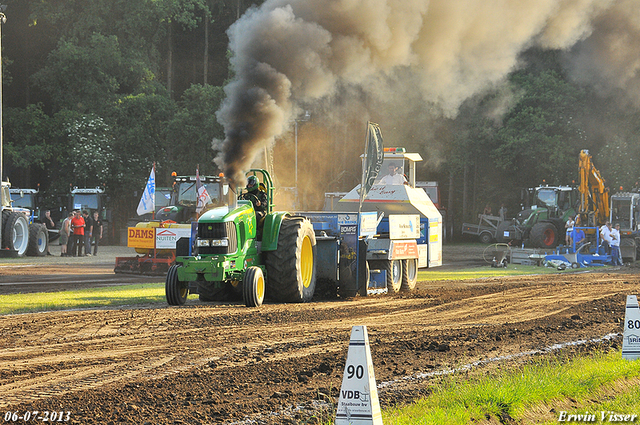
{"x":152,"y":293}
{"x":83,"y":298}
{"x":505,"y":396}
{"x":480,"y":272}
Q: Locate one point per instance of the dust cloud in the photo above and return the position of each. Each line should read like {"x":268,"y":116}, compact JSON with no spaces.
{"x":401,"y":62}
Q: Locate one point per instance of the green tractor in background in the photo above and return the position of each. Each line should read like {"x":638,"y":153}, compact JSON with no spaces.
{"x":233,"y":254}
{"x":541,"y":222}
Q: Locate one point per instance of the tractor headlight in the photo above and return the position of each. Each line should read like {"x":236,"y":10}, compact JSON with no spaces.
{"x":212,"y":242}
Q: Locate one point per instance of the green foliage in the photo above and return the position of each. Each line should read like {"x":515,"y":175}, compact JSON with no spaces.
{"x":541,"y":135}
{"x":88,"y":77}
{"x":140,"y":120}
{"x":91,"y":153}
{"x":26,"y":133}
{"x":193,"y":128}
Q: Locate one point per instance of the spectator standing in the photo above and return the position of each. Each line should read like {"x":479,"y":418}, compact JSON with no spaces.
{"x":569,"y":229}
{"x":77,"y":224}
{"x":96,"y":231}
{"x":616,"y":258}
{"x":605,"y":234}
{"x":50,"y":225}
{"x":502,"y":212}
{"x":65,"y":235}
{"x":87,"y":233}
{"x":487,"y":210}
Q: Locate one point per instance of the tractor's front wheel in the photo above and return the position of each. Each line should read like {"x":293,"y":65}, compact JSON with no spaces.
{"x":253,"y":287}
{"x":175,"y":290}
{"x":291,"y":267}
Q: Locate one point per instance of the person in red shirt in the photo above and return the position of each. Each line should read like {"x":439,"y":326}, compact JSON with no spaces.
{"x":77,"y":224}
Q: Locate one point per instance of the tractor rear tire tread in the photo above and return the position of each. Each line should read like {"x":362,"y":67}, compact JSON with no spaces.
{"x":15,"y":233}
{"x":208,"y":291}
{"x":544,"y":235}
{"x":284,"y":265}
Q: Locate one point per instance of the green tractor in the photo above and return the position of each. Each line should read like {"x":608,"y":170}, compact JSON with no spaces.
{"x":233,"y":253}
{"x":541,"y":222}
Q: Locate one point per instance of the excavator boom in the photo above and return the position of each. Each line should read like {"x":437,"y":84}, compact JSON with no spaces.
{"x":594,"y":196}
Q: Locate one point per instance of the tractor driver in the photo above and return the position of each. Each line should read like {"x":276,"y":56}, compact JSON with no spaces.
{"x":257,"y":197}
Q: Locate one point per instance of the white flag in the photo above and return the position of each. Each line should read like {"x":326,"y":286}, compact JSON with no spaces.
{"x":148,"y":201}
{"x":203,"y":195}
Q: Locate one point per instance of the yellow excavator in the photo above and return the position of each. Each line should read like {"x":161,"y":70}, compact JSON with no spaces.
{"x":594,"y":195}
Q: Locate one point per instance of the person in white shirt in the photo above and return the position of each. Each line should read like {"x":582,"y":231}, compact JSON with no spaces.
{"x":616,"y":258}
{"x":569,"y":228}
{"x":605,"y":234}
{"x":393,"y":177}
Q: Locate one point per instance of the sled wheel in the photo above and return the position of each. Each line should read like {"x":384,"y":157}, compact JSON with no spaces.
{"x":409,"y":274}
{"x":394,"y":273}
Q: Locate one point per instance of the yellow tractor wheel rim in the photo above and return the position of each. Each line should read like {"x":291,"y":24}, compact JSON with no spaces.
{"x":306,"y":266}
{"x":260,"y":288}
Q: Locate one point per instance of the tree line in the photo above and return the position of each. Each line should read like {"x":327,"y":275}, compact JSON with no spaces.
{"x":95,"y":91}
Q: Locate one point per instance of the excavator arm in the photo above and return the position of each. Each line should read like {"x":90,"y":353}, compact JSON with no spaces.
{"x":594,"y":196}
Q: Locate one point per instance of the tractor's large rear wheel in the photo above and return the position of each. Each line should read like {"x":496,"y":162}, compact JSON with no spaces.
{"x":38,"y":240}
{"x":409,"y":274}
{"x":175,"y":290}
{"x":208,"y":291}
{"x":544,"y":235}
{"x":291,"y":271}
{"x":15,"y":233}
{"x":253,"y":287}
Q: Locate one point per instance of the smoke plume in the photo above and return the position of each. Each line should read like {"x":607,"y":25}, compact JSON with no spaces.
{"x":288,"y":53}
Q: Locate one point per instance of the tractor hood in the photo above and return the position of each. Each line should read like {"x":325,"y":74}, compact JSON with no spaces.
{"x":391,"y":199}
{"x":227,"y":212}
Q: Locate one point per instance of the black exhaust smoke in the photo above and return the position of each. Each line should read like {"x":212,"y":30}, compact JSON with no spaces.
{"x":292,"y":52}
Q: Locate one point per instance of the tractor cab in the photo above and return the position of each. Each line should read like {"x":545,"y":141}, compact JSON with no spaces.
{"x":551,"y":201}
{"x":265,"y":185}
{"x":183,"y":201}
{"x":398,"y":167}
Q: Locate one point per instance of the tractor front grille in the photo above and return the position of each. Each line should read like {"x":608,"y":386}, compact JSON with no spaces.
{"x":218,"y":231}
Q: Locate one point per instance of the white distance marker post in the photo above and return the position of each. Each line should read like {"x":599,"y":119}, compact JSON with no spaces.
{"x":358,"y":402}
{"x":631,"y":335}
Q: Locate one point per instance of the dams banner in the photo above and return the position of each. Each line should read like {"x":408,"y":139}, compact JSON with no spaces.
{"x":373,"y":157}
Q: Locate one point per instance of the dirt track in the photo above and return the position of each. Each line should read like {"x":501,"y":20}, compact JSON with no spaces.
{"x":212,"y":363}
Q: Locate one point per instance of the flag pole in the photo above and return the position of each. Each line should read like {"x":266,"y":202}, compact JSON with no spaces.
{"x":153,"y":213}
{"x":364,"y":161}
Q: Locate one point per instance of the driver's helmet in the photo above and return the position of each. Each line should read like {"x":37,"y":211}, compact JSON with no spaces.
{"x":252,"y":183}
